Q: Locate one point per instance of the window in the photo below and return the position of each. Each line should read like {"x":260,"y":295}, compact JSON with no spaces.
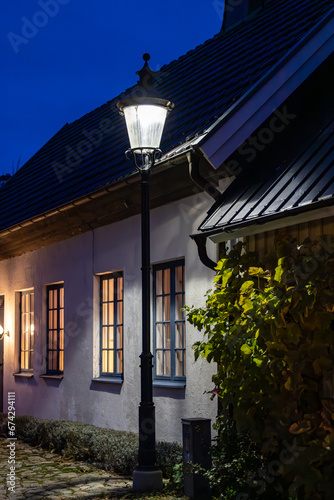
{"x":169,"y":324}
{"x":55,"y":329}
{"x":26,"y":330}
{"x":111,"y":300}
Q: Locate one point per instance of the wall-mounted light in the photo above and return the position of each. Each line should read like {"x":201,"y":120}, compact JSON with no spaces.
{"x":3,"y":333}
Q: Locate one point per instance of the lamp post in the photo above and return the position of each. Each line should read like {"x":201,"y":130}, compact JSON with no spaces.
{"x":145,"y":114}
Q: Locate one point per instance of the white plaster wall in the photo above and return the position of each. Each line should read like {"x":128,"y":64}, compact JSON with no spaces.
{"x":76,"y":262}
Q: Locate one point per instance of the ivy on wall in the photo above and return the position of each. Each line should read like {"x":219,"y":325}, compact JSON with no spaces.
{"x":270,"y":328}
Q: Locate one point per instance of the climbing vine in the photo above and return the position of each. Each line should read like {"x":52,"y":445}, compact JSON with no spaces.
{"x":270,"y":329}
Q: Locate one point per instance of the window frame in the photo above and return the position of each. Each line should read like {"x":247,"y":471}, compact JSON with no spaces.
{"x":172,"y":378}
{"x":115,"y":374}
{"x":60,"y":310}
{"x":30,"y":332}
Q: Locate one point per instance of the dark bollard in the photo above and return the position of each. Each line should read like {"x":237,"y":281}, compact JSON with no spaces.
{"x":196,"y":433}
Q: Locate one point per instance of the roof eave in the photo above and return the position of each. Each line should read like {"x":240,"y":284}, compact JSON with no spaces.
{"x":297,"y":215}
{"x":228,"y":132}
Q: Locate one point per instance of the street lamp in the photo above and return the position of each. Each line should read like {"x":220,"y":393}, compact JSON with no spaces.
{"x":145,"y":113}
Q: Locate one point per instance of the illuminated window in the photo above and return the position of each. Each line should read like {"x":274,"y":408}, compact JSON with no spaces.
{"x":27,"y":330}
{"x":55,"y":329}
{"x":111,"y":295}
{"x":168,"y":319}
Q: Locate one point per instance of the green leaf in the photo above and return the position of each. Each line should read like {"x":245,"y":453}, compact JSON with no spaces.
{"x":246,"y":350}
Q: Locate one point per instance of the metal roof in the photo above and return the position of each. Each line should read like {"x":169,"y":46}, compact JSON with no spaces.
{"x":203,"y":84}
{"x":307,"y":181}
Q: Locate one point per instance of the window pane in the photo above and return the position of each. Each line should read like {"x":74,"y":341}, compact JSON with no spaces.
{"x":119,"y":361}
{"x":110,"y":320}
{"x":104,"y":290}
{"x":55,"y":299}
{"x":105,"y":314}
{"x":50,"y":299}
{"x":61,"y":299}
{"x":159,"y":309}
{"x":61,"y":360}
{"x":167,"y":281}
{"x":179,"y":335}
{"x":178,"y":306}
{"x":167,"y":335}
{"x":167,"y":307}
{"x":61,"y":319}
{"x":111,"y":338}
{"x":120,"y":337}
{"x":104,"y":361}
{"x":50,"y":319}
{"x":26,"y":360}
{"x":111,"y":290}
{"x":158,"y":282}
{"x":104,"y":337}
{"x":31,"y":360}
{"x":119,"y":313}
{"x":55,"y":319}
{"x":53,"y":360}
{"x":159,"y":362}
{"x":167,"y":367}
{"x":179,"y":279}
{"x":120,"y":288}
{"x":61,"y":339}
{"x":159,"y":336}
{"x":110,"y":361}
{"x":179,"y":363}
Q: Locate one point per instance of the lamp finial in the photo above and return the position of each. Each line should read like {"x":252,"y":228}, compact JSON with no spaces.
{"x":146,"y":75}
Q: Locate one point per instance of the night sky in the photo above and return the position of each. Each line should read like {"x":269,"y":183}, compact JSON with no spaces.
{"x":63,"y":58}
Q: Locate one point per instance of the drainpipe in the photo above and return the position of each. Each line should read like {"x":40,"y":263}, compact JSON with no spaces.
{"x":200,"y":240}
{"x":197,"y":178}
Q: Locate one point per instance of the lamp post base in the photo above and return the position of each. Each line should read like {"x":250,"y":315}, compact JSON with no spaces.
{"x":147,"y":480}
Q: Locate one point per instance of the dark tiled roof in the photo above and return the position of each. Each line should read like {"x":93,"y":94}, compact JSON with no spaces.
{"x":203,"y":84}
{"x":308,"y":180}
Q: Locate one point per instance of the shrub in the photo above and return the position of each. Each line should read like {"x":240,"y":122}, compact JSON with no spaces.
{"x":110,"y":449}
{"x":270,"y":328}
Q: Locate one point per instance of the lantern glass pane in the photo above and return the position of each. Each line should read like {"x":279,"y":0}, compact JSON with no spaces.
{"x":145,"y":125}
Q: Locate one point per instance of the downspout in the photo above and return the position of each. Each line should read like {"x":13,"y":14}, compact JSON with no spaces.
{"x":200,"y":240}
{"x":198,"y":179}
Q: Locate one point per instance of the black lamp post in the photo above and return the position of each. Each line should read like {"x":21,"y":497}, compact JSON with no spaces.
{"x":145,"y":114}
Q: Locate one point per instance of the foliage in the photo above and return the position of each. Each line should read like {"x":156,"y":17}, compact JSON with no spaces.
{"x":177,"y":478}
{"x":113,"y":450}
{"x":270,"y":329}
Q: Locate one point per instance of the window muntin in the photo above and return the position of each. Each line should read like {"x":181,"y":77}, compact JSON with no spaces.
{"x":55,"y":329}
{"x":111,"y":300}
{"x":27,"y":330}
{"x":168,"y":319}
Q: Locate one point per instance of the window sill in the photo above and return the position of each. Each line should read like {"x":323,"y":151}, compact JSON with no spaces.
{"x":108,"y":380}
{"x":170,"y":384}
{"x":23,"y":374}
{"x":52,"y":377}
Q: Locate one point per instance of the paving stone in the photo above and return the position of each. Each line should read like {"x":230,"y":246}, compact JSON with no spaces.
{"x":43,"y":475}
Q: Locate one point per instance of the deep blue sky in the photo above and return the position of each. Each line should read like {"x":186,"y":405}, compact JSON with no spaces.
{"x":56,"y":68}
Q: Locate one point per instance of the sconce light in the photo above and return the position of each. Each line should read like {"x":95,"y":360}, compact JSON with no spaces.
{"x":3,"y":333}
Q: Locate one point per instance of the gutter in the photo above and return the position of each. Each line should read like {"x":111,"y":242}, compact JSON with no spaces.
{"x":297,"y":215}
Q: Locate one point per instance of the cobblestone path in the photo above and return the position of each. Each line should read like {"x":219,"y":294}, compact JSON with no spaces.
{"x":42,"y":475}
